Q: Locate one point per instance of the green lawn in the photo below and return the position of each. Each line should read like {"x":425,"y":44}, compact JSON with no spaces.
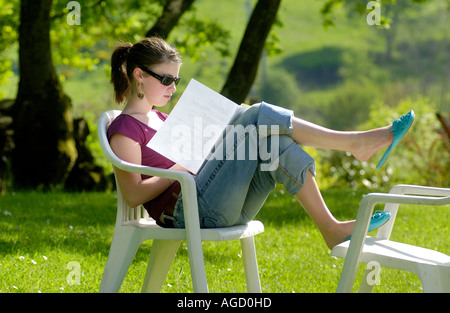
{"x":40,"y":233}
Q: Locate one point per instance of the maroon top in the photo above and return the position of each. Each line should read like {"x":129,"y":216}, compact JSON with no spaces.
{"x":141,"y":133}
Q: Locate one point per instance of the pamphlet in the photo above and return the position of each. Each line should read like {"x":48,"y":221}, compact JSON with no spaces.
{"x":195,"y":125}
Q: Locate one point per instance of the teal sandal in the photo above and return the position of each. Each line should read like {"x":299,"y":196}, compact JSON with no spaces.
{"x":400,"y":127}
{"x":377,"y":220}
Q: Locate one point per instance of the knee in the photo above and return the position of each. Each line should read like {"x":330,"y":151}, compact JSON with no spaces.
{"x":249,"y":116}
{"x":275,"y":144}
{"x":253,"y":111}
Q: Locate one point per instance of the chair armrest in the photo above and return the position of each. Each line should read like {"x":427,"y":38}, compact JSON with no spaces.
{"x":152,"y":171}
{"x":420,"y":190}
{"x":186,"y":180}
{"x":187,"y":183}
{"x":385,"y":231}
{"x":369,"y":201}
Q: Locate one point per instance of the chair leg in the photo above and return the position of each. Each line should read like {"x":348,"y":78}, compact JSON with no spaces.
{"x":124,"y":245}
{"x":161,"y":257}
{"x":435,"y":279}
{"x":250,"y":265}
{"x":197,"y":265}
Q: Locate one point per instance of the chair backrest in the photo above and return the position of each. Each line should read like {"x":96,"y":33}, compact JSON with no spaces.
{"x":125,"y":214}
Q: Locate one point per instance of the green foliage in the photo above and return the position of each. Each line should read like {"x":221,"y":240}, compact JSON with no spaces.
{"x":273,"y":44}
{"x":328,"y":9}
{"x":421,"y":158}
{"x":9,"y":21}
{"x":331,"y":77}
{"x":362,"y":7}
{"x":103,"y":24}
{"x":199,"y":34}
{"x":106,"y":23}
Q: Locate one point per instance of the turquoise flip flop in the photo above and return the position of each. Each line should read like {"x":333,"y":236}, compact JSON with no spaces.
{"x":400,"y":127}
{"x":377,"y":220}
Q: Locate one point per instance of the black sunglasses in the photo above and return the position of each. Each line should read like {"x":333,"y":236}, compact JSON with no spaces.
{"x":165,"y":80}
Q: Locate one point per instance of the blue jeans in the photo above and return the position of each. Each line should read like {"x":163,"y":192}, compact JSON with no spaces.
{"x":232,"y":187}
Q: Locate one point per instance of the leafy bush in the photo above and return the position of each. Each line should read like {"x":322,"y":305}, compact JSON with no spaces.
{"x":350,"y":105}
{"x":422,"y":157}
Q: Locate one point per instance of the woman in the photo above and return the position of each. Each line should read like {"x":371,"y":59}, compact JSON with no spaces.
{"x":229,"y":192}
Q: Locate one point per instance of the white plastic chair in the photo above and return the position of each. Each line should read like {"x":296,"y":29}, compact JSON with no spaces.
{"x":133,"y":226}
{"x":432,"y":267}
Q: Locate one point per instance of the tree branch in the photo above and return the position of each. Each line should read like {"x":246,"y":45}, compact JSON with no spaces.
{"x":172,"y":12}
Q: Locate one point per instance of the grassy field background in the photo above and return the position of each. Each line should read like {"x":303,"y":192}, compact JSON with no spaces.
{"x":41,"y":233}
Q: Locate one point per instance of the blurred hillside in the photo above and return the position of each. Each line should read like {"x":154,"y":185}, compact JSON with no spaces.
{"x":338,"y":76}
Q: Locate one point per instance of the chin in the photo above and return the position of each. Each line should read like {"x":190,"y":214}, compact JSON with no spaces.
{"x":160,"y":103}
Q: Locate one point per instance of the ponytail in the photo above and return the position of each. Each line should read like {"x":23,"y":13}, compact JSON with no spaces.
{"x":119,"y":76}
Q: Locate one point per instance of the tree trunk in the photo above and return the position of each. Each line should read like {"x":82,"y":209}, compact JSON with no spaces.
{"x":245,"y":67}
{"x":172,"y":12}
{"x":43,"y":127}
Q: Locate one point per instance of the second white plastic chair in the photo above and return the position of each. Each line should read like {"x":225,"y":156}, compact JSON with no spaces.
{"x":432,"y":267}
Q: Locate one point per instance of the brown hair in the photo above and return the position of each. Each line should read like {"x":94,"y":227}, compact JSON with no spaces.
{"x":145,"y":53}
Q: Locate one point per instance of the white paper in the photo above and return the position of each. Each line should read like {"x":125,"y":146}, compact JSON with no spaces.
{"x":194,"y":126}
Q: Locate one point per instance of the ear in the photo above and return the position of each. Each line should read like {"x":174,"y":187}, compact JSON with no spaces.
{"x":137,"y":74}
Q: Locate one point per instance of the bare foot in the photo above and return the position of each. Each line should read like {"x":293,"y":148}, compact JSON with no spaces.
{"x":338,"y":234}
{"x":370,"y":142}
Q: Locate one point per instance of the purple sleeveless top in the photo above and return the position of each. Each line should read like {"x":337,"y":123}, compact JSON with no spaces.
{"x":141,"y":133}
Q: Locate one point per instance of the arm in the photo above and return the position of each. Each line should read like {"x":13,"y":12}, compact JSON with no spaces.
{"x":136,"y":190}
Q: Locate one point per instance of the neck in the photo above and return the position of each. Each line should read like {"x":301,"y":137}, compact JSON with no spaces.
{"x":137,"y":106}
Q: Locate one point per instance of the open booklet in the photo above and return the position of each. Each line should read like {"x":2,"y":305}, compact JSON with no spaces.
{"x":194,"y":126}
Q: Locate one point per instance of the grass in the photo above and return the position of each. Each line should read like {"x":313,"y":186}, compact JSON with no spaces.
{"x":40,"y":233}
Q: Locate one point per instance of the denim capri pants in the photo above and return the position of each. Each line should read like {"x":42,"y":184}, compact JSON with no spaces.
{"x":257,"y":153}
